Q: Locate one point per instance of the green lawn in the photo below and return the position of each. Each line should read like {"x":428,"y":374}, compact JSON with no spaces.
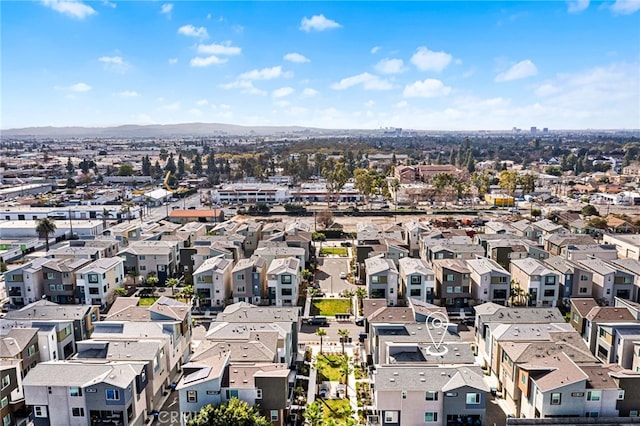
{"x":147,"y":301}
{"x":336,"y":251}
{"x":330,"y":307}
{"x":329,"y":368}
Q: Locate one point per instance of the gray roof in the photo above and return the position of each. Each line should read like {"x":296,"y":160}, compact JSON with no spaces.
{"x":284,"y":265}
{"x":414,"y":266}
{"x":43,"y":309}
{"x":532,"y":266}
{"x":376,"y":265}
{"x":214,"y":264}
{"x":245,"y":312}
{"x":122,"y":350}
{"x":486,"y":266}
{"x":492,"y":312}
{"x":81,"y":374}
{"x":101,"y":265}
{"x":432,"y":379}
{"x":15,"y":341}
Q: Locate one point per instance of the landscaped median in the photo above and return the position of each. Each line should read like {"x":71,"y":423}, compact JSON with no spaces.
{"x":330,"y":307}
{"x":334,"y":251}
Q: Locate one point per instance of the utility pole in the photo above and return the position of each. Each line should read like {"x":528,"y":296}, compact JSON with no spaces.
{"x":70,"y":225}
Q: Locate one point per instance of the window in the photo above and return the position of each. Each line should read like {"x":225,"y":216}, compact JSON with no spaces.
{"x":6,"y":420}
{"x":457,"y":289}
{"x":240,"y":276}
{"x":113,"y":394}
{"x":77,"y":412}
{"x":4,"y":402}
{"x":431,"y":396}
{"x":390,"y":416}
{"x":40,"y":411}
{"x":451,"y":394}
{"x":620,"y":393}
{"x":415,"y":292}
{"x":633,"y":413}
{"x":286,"y":279}
{"x":578,"y":394}
{"x":94,"y":290}
{"x":582,"y":290}
{"x":52,"y":287}
{"x":430,"y":416}
{"x":391,"y":290}
{"x":274,"y":415}
{"x":142,"y":257}
{"x":143,"y":268}
{"x":75,"y":391}
{"x":258,"y":393}
{"x":51,"y":275}
{"x":549,"y":293}
{"x":232,"y":393}
{"x":416,"y":279}
{"x":6,"y":381}
{"x":593,"y":395}
{"x":449,"y":289}
{"x":584,"y":278}
{"x":32,"y":350}
{"x":192,"y":396}
{"x":473,"y":398}
{"x":502,"y":279}
{"x":523,"y":379}
{"x":93,"y":278}
{"x":556,"y":398}
{"x":602,"y":332}
{"x":449,"y":277}
{"x":592,"y":414}
{"x":287,"y":292}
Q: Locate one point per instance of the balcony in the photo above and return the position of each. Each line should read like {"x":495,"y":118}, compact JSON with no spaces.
{"x":107,"y":418}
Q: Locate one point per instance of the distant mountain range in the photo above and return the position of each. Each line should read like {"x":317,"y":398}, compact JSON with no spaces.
{"x":164,"y":131}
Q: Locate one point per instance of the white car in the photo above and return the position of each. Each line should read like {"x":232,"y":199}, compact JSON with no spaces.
{"x":343,"y":275}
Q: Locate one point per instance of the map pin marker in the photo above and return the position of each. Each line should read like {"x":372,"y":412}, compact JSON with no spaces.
{"x":437,"y":322}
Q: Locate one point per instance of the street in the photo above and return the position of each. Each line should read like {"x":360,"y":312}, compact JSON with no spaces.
{"x":308,"y":332}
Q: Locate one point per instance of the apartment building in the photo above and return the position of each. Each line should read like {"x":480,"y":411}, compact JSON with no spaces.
{"x":609,"y":281}
{"x":98,"y":280}
{"x":152,"y":258}
{"x":59,"y":279}
{"x":24,"y":283}
{"x":212,"y":281}
{"x":453,"y":282}
{"x":249,"y":281}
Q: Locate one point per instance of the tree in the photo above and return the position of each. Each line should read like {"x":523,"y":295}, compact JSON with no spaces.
{"x":508,"y":181}
{"x":45,"y":227}
{"x":344,"y":336}
{"x":197,"y":165}
{"x":146,"y":166}
{"x":152,"y":281}
{"x":313,"y":414}
{"x":181,"y":166}
{"x":589,"y":210}
{"x":361,"y":294}
{"x":171,"y":165}
{"x":318,"y":236}
{"x":321,"y":332}
{"x":104,"y":215}
{"x":528,"y":183}
{"x":517,"y":295}
{"x":125,"y":170}
{"x":120,"y":291}
{"x":597,"y":222}
{"x":441,"y":182}
{"x":482,"y":182}
{"x":363,"y":182}
{"x":345,"y":369}
{"x":233,"y":413}
{"x":70,"y":167}
{"x":324,"y":218}
{"x":173,"y":283}
{"x":337,"y":177}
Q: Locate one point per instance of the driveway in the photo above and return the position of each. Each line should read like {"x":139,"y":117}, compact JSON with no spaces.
{"x":328,"y":274}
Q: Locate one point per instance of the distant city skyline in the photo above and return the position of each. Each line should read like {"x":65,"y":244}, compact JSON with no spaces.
{"x":416,"y":65}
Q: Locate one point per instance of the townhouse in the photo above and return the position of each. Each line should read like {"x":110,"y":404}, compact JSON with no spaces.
{"x":24,"y":283}
{"x":76,"y":394}
{"x":212,"y":282}
{"x":98,"y":280}
{"x":575,"y":280}
{"x":59,"y":279}
{"x":417,"y":280}
{"x":608,"y":280}
{"x":382,"y":279}
{"x":249,"y":281}
{"x":540,"y":284}
{"x":283,"y":281}
{"x":453,"y":283}
{"x":152,"y":258}
{"x":490,"y":282}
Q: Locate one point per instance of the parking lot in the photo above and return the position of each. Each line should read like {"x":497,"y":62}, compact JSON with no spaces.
{"x":328,"y":275}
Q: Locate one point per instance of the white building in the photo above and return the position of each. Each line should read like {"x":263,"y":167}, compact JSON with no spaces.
{"x":98,"y":280}
{"x":212,"y":280}
{"x":283,"y":281}
{"x":382,"y":279}
{"x":417,"y":279}
{"x":251,"y":194}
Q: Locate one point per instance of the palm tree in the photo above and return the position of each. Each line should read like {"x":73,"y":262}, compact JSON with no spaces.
{"x":173,"y":283}
{"x":346,"y":412}
{"x":321,"y":333}
{"x":313,"y":414}
{"x":104,"y":215}
{"x":517,"y":295}
{"x":46,"y":226}
{"x":345,"y":369}
{"x":344,"y":335}
{"x":361,"y":294}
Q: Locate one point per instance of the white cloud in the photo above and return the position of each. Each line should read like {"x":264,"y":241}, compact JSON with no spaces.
{"x":199,"y":61}
{"x":264,"y":74}
{"x":195,"y":111}
{"x":282,"y":92}
{"x":173,"y":61}
{"x":202,"y":102}
{"x":471,"y":71}
{"x":109,"y":4}
{"x":166,"y":8}
{"x":625,"y":7}
{"x":522,"y":69}
{"x":429,"y":88}
{"x":191,"y":31}
{"x":428,"y":60}
{"x":74,"y":9}
{"x":575,"y":6}
{"x":369,"y":103}
{"x":129,"y":94}
{"x":309,"y":92}
{"x":282,"y":104}
{"x":368,"y":82}
{"x":78,"y":87}
{"x":401,"y":104}
{"x":114,"y":63}
{"x":318,"y":23}
{"x":296,"y":57}
{"x":390,"y":66}
{"x":224,"y":48}
{"x":239,"y":29}
{"x":245,"y":86}
{"x":170,"y":107}
{"x":546,"y":89}
{"x":375,"y":49}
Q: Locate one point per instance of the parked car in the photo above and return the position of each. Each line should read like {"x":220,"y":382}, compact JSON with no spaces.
{"x":360,"y":321}
{"x":318,"y":320}
{"x":343,"y":275}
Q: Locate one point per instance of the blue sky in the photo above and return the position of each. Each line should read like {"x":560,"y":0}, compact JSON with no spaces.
{"x":424,"y":65}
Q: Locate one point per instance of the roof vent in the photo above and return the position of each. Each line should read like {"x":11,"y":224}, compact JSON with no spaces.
{"x":395,"y":373}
